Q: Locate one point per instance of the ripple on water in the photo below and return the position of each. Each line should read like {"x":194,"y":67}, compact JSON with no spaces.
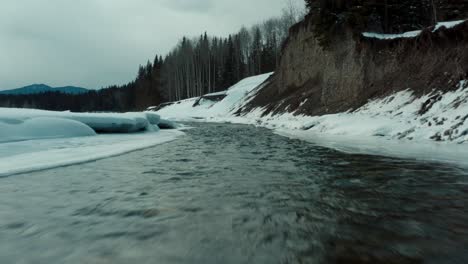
{"x":237,"y":194}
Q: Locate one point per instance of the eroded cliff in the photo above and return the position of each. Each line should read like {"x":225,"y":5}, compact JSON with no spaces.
{"x":317,"y":79}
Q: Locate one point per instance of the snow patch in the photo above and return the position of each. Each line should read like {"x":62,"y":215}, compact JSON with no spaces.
{"x":448,"y":24}
{"x":412,"y":34}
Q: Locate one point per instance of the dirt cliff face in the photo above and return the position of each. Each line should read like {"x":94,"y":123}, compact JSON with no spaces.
{"x":315,"y":79}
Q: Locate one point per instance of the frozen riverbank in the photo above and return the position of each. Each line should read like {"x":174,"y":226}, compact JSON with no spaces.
{"x":433,"y":126}
{"x":33,"y":140}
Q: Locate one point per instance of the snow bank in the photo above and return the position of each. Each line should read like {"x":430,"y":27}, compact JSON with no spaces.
{"x":433,"y":117}
{"x":433,"y":127}
{"x":99,"y":122}
{"x":424,"y":151}
{"x":236,"y":96}
{"x":64,"y":138}
{"x":28,"y":156}
{"x":184,"y":110}
{"x":41,"y":127}
{"x":412,"y":34}
{"x":383,"y":126}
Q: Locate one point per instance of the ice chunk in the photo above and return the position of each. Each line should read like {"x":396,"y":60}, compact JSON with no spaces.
{"x":41,"y":128}
{"x":100,"y":122}
{"x":108,"y":124}
{"x":153,"y":118}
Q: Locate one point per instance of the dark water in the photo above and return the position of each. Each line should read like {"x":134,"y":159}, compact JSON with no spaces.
{"x":237,"y":194}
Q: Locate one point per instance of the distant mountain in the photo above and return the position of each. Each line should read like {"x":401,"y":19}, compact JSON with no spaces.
{"x":42,"y":88}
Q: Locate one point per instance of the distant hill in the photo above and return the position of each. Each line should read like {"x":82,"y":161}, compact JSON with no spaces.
{"x":42,"y":88}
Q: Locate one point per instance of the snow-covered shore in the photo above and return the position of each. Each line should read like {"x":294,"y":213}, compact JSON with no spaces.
{"x":432,"y":127}
{"x":34,"y":139}
{"x":28,"y":156}
{"x":24,"y":124}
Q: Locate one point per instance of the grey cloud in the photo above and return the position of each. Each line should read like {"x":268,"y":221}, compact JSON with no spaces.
{"x":190,"y":5}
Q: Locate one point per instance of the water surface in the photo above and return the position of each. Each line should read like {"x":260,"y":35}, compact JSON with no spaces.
{"x":237,"y":194}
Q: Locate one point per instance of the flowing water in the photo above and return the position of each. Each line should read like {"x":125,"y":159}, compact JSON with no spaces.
{"x":237,"y":194}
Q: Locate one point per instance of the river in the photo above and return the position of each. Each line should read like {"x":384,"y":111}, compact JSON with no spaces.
{"x":237,"y":194}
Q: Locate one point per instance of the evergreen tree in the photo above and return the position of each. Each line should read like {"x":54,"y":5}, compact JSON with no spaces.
{"x":256,"y":56}
{"x":229,"y":68}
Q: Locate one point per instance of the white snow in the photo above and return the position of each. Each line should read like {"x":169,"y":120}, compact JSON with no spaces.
{"x":184,"y":110}
{"x":42,"y":127}
{"x":448,"y":24}
{"x":391,"y":126}
{"x":35,"y":139}
{"x":395,"y":117}
{"x":412,"y":34}
{"x":102,"y":122}
{"x":216,"y":94}
{"x":27,"y":156}
{"x":235,"y":97}
{"x":456,"y":154}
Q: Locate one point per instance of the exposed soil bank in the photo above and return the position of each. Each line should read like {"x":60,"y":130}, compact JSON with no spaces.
{"x":352,"y":69}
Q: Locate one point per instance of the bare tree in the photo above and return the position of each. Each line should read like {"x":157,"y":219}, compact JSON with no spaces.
{"x":434,"y":11}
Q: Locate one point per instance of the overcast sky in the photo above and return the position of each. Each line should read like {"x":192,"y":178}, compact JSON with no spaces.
{"x":96,"y":43}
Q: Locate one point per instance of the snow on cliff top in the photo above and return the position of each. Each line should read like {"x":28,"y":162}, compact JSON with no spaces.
{"x":412,"y":34}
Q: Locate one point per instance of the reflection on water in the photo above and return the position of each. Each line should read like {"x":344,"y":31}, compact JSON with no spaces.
{"x":237,"y":194}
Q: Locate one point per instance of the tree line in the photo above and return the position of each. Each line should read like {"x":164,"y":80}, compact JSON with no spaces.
{"x":136,"y":95}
